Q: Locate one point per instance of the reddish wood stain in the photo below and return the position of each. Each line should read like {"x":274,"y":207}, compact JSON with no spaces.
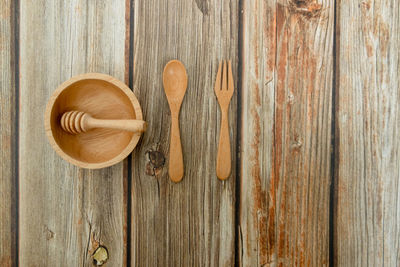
{"x":259,"y":194}
{"x":366,"y":28}
{"x":366,"y":4}
{"x":6,"y":261}
{"x":94,"y":244}
{"x":311,"y":89}
{"x":369,"y":48}
{"x":383,"y":38}
{"x":308,"y":8}
{"x":255,"y":43}
{"x":279,"y":121}
{"x":269,"y":31}
{"x":125,"y":210}
{"x":248,"y":245}
{"x":287,"y":138}
{"x":6,"y":140}
{"x":5,"y":13}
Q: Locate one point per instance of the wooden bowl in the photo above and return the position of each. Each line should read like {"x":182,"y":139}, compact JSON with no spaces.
{"x":102,"y":97}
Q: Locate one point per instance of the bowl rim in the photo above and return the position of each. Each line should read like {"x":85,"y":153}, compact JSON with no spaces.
{"x":92,"y":76}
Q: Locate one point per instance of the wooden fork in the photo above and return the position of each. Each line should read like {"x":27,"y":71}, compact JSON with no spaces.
{"x":224,"y":91}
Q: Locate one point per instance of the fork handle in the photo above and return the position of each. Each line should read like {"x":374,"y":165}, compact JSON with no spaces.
{"x":175,"y":151}
{"x":224,"y":148}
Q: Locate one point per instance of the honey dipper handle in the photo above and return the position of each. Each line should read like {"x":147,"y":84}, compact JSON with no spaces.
{"x":126,"y":125}
{"x":224,"y":148}
{"x":175,"y":152}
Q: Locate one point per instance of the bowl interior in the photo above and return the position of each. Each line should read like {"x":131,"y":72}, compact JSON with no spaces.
{"x":103,"y":100}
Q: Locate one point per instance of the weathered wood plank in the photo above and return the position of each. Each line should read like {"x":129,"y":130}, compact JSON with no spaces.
{"x":368,"y":125}
{"x":65,"y":212}
{"x":190,"y":223}
{"x":286,"y":132}
{"x":8,"y":137}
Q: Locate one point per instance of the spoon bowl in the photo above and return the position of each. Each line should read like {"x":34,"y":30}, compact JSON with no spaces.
{"x":175,"y":81}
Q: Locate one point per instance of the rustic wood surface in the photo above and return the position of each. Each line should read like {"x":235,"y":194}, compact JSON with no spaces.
{"x":8,"y":137}
{"x":66,"y":212}
{"x":190,"y":223}
{"x":286,"y":134}
{"x":314,"y":124}
{"x":368,"y":125}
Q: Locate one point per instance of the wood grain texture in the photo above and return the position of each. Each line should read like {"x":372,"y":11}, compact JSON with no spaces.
{"x":368,"y":123}
{"x":66,"y":212}
{"x":190,"y":223}
{"x":286,"y":132}
{"x":8,"y":137}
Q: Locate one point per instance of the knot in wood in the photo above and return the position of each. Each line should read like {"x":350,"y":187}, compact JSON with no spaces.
{"x":156,"y":162}
{"x":308,"y":8}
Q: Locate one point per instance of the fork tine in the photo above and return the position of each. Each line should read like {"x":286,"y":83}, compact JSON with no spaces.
{"x":217,"y":86}
{"x":224,"y":74}
{"x":230,"y":78}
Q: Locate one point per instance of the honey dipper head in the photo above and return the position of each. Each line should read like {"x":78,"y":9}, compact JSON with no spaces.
{"x":73,"y":122}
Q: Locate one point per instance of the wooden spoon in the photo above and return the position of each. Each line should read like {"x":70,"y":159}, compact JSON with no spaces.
{"x":75,"y":122}
{"x":175,"y":84}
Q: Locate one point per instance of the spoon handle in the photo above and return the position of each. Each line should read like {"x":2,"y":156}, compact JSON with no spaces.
{"x":224,"y":148}
{"x":136,"y":126}
{"x":175,"y":151}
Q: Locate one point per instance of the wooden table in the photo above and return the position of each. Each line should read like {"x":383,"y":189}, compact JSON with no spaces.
{"x":314,"y":120}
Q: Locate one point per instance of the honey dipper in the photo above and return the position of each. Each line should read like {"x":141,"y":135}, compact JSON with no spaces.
{"x":76,"y":122}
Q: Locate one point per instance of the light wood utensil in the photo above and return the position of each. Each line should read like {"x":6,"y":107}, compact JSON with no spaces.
{"x":175,"y":84}
{"x":224,"y":91}
{"x":76,"y":122}
{"x":101,"y":96}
